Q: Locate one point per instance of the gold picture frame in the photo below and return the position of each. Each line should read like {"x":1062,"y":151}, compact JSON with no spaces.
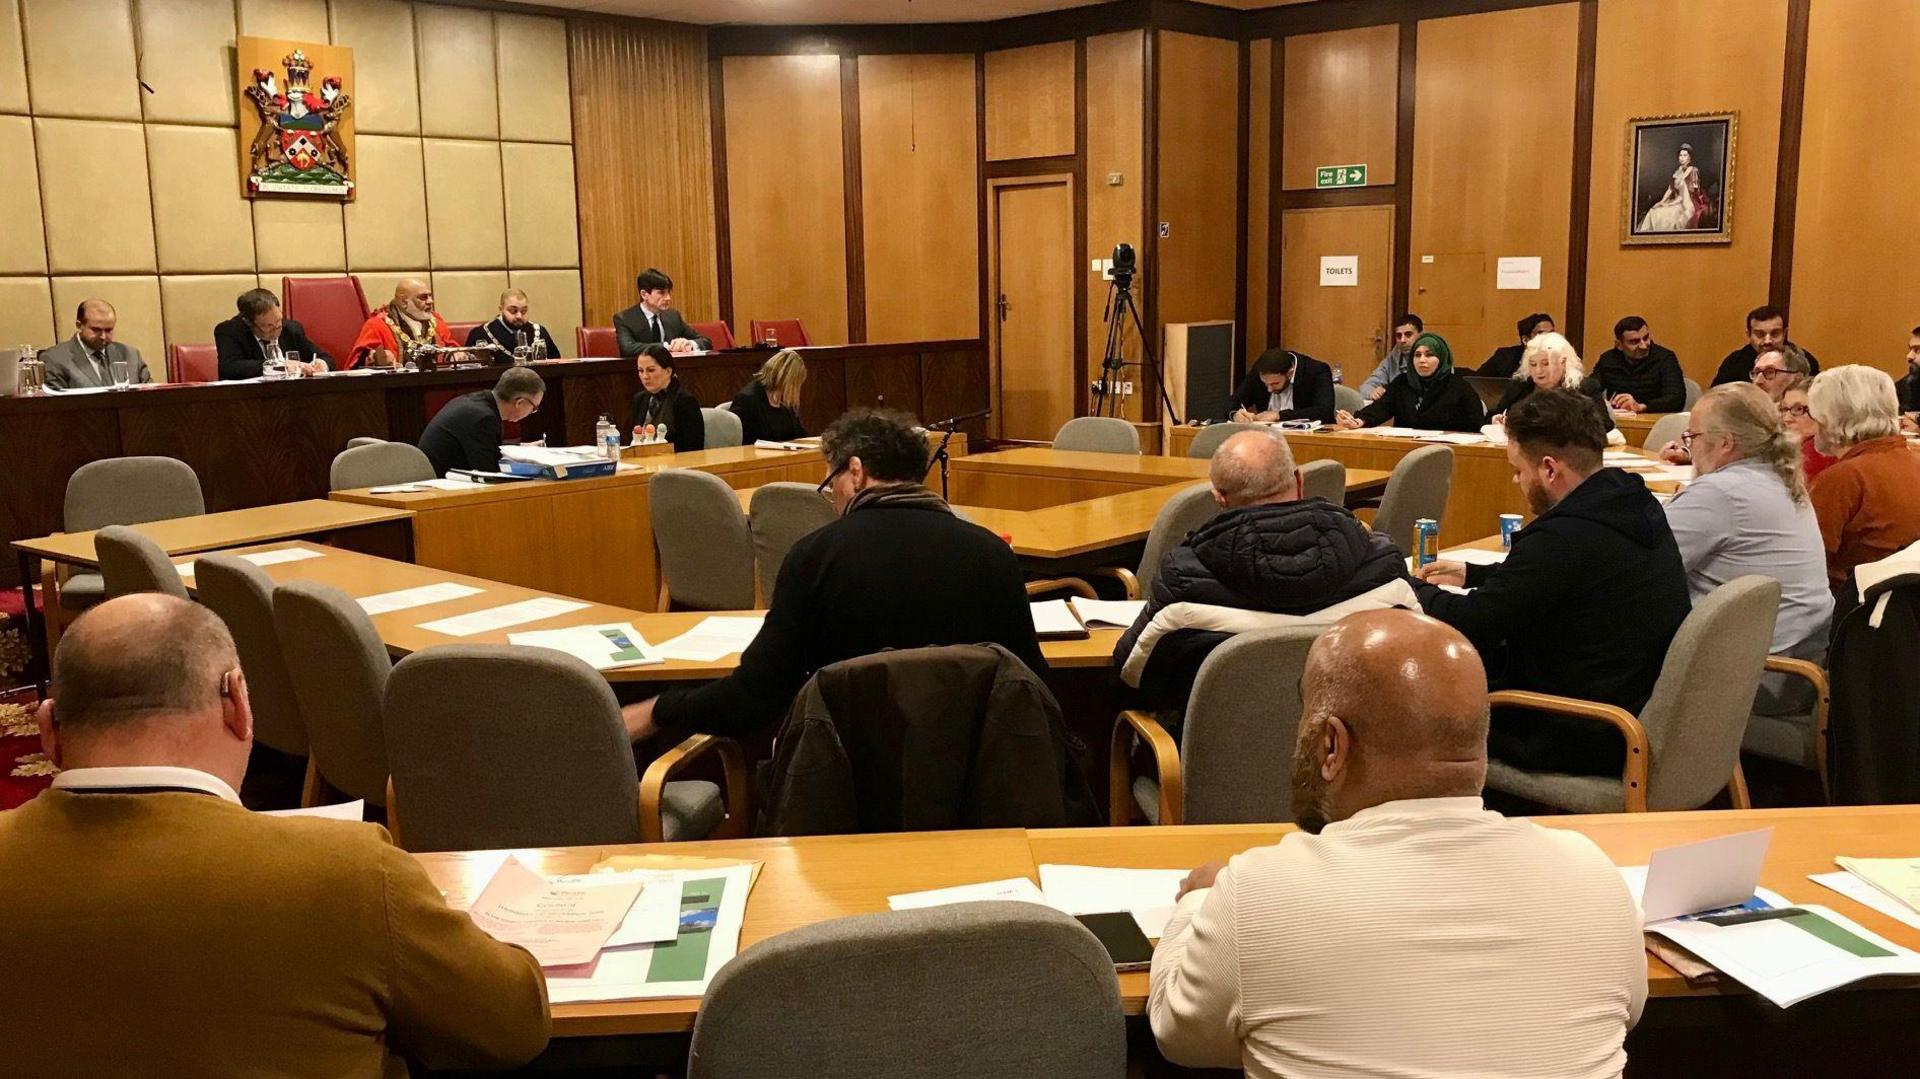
{"x":1677,"y":183}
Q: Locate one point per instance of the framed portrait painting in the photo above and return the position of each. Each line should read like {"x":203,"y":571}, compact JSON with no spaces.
{"x":1679,"y":182}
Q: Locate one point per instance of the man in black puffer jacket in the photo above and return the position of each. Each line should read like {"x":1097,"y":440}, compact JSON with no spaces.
{"x":1269,"y":551}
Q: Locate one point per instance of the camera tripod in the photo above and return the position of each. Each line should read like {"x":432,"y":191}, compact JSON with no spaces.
{"x":1119,"y":308}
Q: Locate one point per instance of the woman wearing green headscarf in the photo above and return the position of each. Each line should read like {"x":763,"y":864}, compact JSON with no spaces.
{"x":1428,"y":396}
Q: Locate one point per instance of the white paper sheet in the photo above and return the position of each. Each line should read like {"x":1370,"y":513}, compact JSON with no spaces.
{"x":354,"y":810}
{"x":1053,"y":618}
{"x":712,"y":909}
{"x":787,"y":447}
{"x":512,"y":614}
{"x":1897,"y":878}
{"x":1148,"y":894}
{"x":450,"y":484}
{"x":1013,"y":889}
{"x":603,"y":647}
{"x":562,"y":922}
{"x":1339,"y":271}
{"x":1784,"y":960}
{"x":713,"y":639}
{"x":1120,"y":613}
{"x":1711,"y":874}
{"x":655,"y":914}
{"x":1394,"y":432}
{"x":1867,"y":895}
{"x":1475,"y":556}
{"x":388,"y":602}
{"x":398,"y":489}
{"x":1456,"y":438}
{"x":259,"y":558}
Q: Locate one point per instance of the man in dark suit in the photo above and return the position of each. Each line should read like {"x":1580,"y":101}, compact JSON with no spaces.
{"x":513,"y":323}
{"x":1284,"y":385}
{"x":85,"y":360}
{"x":653,"y":321}
{"x":242,"y":340}
{"x":467,"y":432}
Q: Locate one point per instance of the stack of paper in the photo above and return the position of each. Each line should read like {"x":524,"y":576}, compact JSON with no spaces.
{"x":1053,"y":620}
{"x":645,"y":958}
{"x":603,"y":648}
{"x":1896,"y":878}
{"x":1119,"y":613}
{"x":562,"y":921}
{"x":1148,"y":894}
{"x":1867,"y":895}
{"x":789,"y":447}
{"x":713,"y":639}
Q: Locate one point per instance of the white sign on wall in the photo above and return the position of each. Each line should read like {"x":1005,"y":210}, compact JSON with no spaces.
{"x":1517,"y":273}
{"x":1339,"y":271}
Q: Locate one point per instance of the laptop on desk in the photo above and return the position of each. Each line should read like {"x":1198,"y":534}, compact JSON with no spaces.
{"x":1490,"y":389}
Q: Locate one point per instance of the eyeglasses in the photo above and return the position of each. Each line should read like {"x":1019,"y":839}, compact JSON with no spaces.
{"x":533,"y":406}
{"x":1687,"y":437}
{"x":1766,"y":372}
{"x":825,"y":490}
{"x":1795,"y":412}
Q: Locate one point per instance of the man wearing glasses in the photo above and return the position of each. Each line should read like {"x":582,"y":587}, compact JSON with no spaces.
{"x":467,"y":433}
{"x":1778,"y":370}
{"x":897,"y":569}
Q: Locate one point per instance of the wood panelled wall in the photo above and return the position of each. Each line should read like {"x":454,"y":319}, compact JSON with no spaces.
{"x":645,"y":175}
{"x":1116,"y":143}
{"x":1197,"y":187}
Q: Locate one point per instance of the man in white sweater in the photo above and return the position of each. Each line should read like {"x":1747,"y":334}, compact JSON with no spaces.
{"x":1406,"y":930}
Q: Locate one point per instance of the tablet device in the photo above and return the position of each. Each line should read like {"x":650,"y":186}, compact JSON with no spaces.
{"x":1121,"y":936}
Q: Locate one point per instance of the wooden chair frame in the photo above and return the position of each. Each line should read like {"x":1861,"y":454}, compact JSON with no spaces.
{"x":1815,"y":676}
{"x":1166,"y":764}
{"x":653,"y":786}
{"x":1064,"y":584}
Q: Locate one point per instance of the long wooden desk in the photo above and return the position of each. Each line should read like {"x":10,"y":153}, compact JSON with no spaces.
{"x":258,"y":443}
{"x":360,"y":575}
{"x":806,"y":880}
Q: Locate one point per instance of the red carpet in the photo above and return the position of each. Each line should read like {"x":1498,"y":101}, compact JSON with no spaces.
{"x":24,"y":772}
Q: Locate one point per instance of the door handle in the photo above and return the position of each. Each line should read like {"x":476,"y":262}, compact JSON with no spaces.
{"x":1002,"y":306}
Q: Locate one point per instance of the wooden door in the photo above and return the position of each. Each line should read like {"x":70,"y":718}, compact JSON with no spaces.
{"x":1449,"y":293}
{"x":1032,"y":305}
{"x":1344,"y":325}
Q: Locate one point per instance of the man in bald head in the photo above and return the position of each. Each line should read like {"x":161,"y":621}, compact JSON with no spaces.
{"x":173,"y":927}
{"x":1405,"y":930}
{"x":408,"y":320}
{"x":87,"y":359}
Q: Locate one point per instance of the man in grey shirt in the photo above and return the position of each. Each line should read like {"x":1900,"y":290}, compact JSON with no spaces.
{"x":1394,"y":363}
{"x":1747,"y":512}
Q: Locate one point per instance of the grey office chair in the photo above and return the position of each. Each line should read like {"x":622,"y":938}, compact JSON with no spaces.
{"x":497,"y":746}
{"x":123,"y":491}
{"x":987,"y":989}
{"x":242,"y":595}
{"x":780,"y":514}
{"x":1667,"y":429}
{"x":1207,"y":442}
{"x":1416,"y":488}
{"x":339,"y":669}
{"x":1683,"y":748}
{"x":130,"y":562}
{"x":1348,"y":398}
{"x":1241,"y":723}
{"x":722,"y":426}
{"x":706,"y":552}
{"x":1179,"y":516}
{"x":1324,"y":479}
{"x":1796,"y":735}
{"x":1693,"y":392}
{"x":378,"y":465}
{"x":364,"y":440}
{"x":1098,"y":434}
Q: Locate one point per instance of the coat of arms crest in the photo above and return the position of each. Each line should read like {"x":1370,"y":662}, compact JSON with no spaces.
{"x":302,"y":137}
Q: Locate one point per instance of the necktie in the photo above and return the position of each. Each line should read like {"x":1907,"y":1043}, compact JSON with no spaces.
{"x":659,"y":331}
{"x":100,"y":360}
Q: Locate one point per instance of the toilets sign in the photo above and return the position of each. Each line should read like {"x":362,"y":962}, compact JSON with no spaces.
{"x":1339,"y":271}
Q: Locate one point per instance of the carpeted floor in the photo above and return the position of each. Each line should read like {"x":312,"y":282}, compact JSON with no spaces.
{"x":24,"y":771}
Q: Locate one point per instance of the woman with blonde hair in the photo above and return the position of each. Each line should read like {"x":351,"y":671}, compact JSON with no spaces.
{"x":1798,"y":421}
{"x":1865,"y":501}
{"x":1549,"y":363}
{"x":1747,"y":512}
{"x":769,"y":406}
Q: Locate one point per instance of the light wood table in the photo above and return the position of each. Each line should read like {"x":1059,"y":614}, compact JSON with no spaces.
{"x":808,"y":880}
{"x":360,"y":575}
{"x":315,"y":517}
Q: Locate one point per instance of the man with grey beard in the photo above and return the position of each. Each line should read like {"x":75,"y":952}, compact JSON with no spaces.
{"x":1406,"y":930}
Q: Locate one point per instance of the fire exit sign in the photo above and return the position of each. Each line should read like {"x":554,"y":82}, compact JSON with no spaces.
{"x":1340,"y":176}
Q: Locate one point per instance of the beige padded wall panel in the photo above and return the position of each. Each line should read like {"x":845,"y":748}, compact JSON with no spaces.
{"x":193,"y":306}
{"x":186,"y":53}
{"x":386,"y":97}
{"x":468,"y":295}
{"x":554,"y":297}
{"x":93,"y":190}
{"x":201,"y":224}
{"x":543,"y":230}
{"x":137,"y":302}
{"x":457,"y":89}
{"x":13,"y":59}
{"x":292,"y":20}
{"x":534,"y":102}
{"x":26,"y":312}
{"x":378,"y":287}
{"x":80,"y":58}
{"x":23,"y":247}
{"x":298,"y":236}
{"x":387,"y":222}
{"x":466,"y":219}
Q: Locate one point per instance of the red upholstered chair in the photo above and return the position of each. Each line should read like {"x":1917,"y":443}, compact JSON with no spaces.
{"x":715,"y":332}
{"x":460,"y":330}
{"x":597,"y":341}
{"x":192,"y":363}
{"x":331,"y":309}
{"x":787,"y":332}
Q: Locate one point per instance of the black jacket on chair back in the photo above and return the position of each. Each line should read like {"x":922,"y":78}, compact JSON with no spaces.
{"x":1874,"y":725}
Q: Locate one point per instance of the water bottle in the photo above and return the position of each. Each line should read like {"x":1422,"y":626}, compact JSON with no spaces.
{"x":1339,"y":375}
{"x":608,"y":436}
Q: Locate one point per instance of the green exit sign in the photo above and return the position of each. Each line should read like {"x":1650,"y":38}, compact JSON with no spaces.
{"x":1340,"y":176}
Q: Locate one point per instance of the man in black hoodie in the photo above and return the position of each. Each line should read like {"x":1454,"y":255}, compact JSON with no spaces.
{"x":1269,"y":551}
{"x":1587,"y":600}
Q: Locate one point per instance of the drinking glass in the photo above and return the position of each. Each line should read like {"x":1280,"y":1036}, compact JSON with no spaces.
{"x":122,"y":372}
